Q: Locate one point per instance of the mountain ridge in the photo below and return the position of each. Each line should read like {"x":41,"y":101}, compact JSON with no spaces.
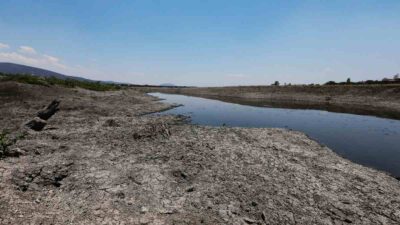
{"x":14,"y":68}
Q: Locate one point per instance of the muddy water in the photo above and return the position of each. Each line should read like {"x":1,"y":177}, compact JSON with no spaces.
{"x":367,"y":140}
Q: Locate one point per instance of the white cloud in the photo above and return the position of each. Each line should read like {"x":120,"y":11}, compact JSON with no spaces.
{"x":16,"y":57}
{"x":51,"y":58}
{"x":29,"y":56}
{"x":27,"y":50}
{"x":3,"y":46}
{"x":38,"y":60}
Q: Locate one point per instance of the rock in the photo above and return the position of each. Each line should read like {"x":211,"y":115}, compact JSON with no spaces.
{"x":348,"y":220}
{"x":49,"y":111}
{"x":36,"y":124}
{"x":144,"y":209}
{"x":263,"y":216}
{"x":249,"y":221}
{"x":121,"y":195}
{"x":191,"y":189}
{"x":111,"y":123}
{"x":180,"y":174}
{"x":153,"y":130}
{"x":15,"y":152}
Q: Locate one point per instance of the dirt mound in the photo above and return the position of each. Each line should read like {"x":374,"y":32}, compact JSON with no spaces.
{"x":36,"y":176}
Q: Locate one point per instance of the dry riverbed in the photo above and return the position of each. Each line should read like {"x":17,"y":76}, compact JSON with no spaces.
{"x":103,"y":159}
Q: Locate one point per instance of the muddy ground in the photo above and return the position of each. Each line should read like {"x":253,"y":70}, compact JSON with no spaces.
{"x":102,"y":159}
{"x":377,"y":100}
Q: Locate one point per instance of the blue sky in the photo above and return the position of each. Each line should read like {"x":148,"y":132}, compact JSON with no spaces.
{"x":205,"y":43}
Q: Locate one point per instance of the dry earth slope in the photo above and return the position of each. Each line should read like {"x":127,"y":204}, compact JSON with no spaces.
{"x":103,"y":160}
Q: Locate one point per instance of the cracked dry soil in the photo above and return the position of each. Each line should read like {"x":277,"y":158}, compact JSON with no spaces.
{"x":102,"y":159}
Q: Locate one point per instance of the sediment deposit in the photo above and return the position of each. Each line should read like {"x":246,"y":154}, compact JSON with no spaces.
{"x":103,"y":159}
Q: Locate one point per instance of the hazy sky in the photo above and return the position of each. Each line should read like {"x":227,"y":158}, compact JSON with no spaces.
{"x":215,"y":42}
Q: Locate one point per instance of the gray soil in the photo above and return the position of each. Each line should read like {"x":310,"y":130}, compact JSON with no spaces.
{"x":378,"y":100}
{"x":102,"y":159}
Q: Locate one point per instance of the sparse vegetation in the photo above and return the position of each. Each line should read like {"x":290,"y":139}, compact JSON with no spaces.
{"x":367,"y":82}
{"x":70,"y":83}
{"x":6,"y":140}
{"x":330,"y":83}
{"x":5,"y":143}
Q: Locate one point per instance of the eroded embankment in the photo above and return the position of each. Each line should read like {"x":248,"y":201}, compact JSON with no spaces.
{"x":99,"y":161}
{"x":378,"y":100}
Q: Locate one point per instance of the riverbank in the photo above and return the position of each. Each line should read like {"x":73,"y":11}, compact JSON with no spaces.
{"x":378,"y":100}
{"x":366,"y":140}
{"x":102,"y":159}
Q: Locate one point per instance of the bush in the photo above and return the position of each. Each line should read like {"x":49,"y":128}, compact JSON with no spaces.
{"x":6,"y":141}
{"x":330,"y":83}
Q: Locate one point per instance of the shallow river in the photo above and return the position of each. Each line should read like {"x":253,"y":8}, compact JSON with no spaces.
{"x":367,"y":140}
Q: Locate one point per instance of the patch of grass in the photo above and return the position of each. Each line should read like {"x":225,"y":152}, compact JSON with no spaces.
{"x":69,"y":83}
{"x":6,"y":141}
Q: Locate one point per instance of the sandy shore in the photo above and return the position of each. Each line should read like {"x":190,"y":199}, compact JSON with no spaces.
{"x":103,"y":159}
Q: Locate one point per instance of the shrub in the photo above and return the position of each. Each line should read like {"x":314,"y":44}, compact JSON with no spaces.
{"x":69,"y":83}
{"x":330,"y":83}
{"x":6,"y":141}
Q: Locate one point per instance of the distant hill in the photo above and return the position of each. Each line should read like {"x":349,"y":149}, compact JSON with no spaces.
{"x":12,"y":68}
{"x":167,"y":85}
